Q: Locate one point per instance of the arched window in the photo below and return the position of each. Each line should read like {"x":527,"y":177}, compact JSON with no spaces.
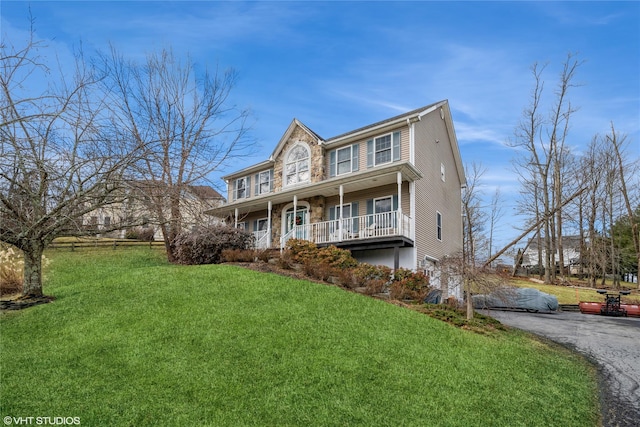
{"x":296,"y":168}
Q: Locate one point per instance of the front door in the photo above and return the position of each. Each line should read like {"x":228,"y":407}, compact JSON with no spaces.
{"x":300,"y":218}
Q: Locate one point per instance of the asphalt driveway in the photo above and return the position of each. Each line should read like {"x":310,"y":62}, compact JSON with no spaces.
{"x":613,"y":343}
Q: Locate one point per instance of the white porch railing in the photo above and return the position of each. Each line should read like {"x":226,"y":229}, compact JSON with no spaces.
{"x":385,"y":224}
{"x":262,"y":239}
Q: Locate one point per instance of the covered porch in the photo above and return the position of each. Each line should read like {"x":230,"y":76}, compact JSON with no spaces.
{"x":330,"y":212}
{"x":359,"y":230}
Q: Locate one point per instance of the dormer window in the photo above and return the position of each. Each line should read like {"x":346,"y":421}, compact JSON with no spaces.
{"x":296,"y":168}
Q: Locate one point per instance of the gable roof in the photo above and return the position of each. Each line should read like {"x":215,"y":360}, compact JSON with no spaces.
{"x":205,"y":192}
{"x":292,"y":126}
{"x":383,"y":123}
{"x":410,"y":116}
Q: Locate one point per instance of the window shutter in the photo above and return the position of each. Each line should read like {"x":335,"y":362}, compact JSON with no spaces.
{"x":270,"y":180}
{"x":255,"y":225}
{"x":369,"y":211}
{"x":256,"y":190}
{"x":396,"y":146}
{"x":394,"y":203}
{"x":355,"y":157}
{"x":354,"y":213}
{"x":234,"y":193}
{"x":332,"y":163}
{"x":370,"y":153}
{"x":247,"y":187}
{"x":332,"y":213}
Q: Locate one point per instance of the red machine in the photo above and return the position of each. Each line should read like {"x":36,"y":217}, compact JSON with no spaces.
{"x":611,"y":306}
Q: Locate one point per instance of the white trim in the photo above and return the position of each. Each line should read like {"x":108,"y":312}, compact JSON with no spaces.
{"x":298,"y":206}
{"x":382,"y":198}
{"x":390,"y":134}
{"x":266,"y":220}
{"x":234,"y":189}
{"x":259,"y":184}
{"x":439,"y":227}
{"x":337,"y":150}
{"x":286,"y":162}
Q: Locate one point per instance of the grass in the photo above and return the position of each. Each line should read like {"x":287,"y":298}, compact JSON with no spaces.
{"x":133,"y":341}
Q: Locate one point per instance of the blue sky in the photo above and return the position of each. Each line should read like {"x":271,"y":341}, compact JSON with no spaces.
{"x":337,"y":66}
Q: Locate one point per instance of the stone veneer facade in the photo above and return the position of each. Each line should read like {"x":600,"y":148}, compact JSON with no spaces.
{"x":317,"y":157}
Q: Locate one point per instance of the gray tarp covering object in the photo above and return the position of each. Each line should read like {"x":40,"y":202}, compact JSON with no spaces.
{"x":517,"y":298}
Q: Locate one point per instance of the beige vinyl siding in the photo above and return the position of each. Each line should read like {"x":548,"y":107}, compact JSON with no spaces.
{"x":432,"y":194}
{"x":253,"y":216}
{"x":362,"y":148}
{"x":373,"y":193}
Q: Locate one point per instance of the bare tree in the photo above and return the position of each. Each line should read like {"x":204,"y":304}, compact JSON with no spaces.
{"x":626,"y":172}
{"x":185,"y":116}
{"x":543,"y":141}
{"x":474,"y":220}
{"x":58,"y":160}
{"x":495,"y":214}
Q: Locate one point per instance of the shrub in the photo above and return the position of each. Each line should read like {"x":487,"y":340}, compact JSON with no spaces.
{"x":284,"y":260}
{"x":12,"y":269}
{"x":367,"y":272}
{"x":301,"y":251}
{"x":318,"y":270}
{"x":205,"y":245}
{"x":336,"y":258}
{"x":238,"y":255}
{"x":409,"y":285}
{"x":264,"y":255}
{"x":371,"y":277}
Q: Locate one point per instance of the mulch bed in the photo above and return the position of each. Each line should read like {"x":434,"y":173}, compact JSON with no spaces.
{"x":22,"y":303}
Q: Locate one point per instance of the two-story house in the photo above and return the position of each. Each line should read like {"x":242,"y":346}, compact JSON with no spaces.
{"x":389,"y":192}
{"x":137,"y":204}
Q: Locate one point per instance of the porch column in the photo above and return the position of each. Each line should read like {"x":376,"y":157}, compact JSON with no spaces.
{"x":340,"y":216}
{"x":399,"y":179}
{"x":236,"y":218}
{"x":269,"y":224}
{"x":396,"y":258}
{"x":295,"y":209}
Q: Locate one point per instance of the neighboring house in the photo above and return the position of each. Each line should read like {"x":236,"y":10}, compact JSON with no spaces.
{"x":389,"y":192}
{"x":570,"y":251}
{"x":137,"y":208}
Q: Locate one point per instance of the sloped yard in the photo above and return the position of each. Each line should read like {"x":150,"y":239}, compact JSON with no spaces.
{"x":130,"y":340}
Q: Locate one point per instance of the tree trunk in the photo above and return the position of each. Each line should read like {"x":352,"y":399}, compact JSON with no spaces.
{"x":32,"y":282}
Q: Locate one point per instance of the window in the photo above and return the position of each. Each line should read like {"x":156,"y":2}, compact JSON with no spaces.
{"x":296,"y":168}
{"x":439,"y":225}
{"x":383,"y":149}
{"x":264,"y":182}
{"x":344,"y":160}
{"x":242,"y":226}
{"x":241,"y":188}
{"x":381,"y":211}
{"x":382,"y":205}
{"x":261,"y":224}
{"x":107,"y":221}
{"x":349,"y":220}
{"x":442,"y":171}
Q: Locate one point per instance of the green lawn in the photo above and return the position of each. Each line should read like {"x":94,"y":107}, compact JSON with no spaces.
{"x":133,"y":341}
